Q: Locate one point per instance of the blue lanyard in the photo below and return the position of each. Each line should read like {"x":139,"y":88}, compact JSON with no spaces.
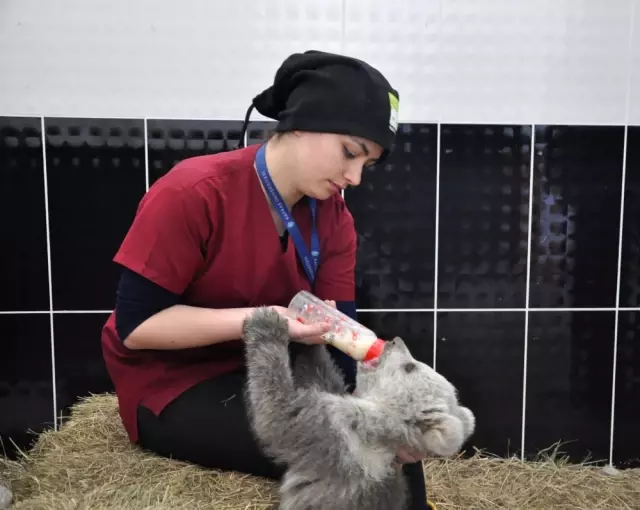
{"x":310,"y":263}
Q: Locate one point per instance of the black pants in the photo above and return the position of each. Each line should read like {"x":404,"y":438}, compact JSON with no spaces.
{"x":208,"y":425}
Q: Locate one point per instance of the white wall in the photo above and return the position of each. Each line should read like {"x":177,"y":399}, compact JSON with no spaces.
{"x":525,"y":61}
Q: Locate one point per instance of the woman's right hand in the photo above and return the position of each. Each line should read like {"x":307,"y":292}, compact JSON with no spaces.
{"x":303,"y":333}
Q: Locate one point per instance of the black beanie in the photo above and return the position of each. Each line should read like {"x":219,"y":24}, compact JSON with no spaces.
{"x":330,"y":93}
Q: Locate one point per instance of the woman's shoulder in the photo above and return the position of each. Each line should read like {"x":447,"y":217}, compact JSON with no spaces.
{"x":216,"y":170}
{"x":334,"y":209}
{"x":335,"y":222}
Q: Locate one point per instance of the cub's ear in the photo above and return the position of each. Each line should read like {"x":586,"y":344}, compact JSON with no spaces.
{"x":399,"y":343}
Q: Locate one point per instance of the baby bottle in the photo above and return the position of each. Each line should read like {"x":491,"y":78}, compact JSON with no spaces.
{"x":345,"y":334}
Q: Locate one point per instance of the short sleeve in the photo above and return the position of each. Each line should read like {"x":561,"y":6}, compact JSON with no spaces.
{"x":167,"y":239}
{"x":336,"y":274}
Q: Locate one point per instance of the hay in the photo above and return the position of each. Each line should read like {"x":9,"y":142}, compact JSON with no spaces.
{"x":89,"y":464}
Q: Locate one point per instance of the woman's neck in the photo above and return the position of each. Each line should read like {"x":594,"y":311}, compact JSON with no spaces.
{"x":281,"y":174}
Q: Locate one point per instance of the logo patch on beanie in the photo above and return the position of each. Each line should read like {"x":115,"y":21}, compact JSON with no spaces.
{"x":394,"y":105}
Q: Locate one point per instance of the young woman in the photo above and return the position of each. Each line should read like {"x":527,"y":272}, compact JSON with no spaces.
{"x":221,"y":234}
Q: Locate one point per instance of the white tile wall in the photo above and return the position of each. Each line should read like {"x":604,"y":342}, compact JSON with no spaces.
{"x":548,"y":61}
{"x":401,"y":39}
{"x":543,"y":61}
{"x":116,"y":58}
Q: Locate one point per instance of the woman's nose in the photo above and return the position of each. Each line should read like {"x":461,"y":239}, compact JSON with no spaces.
{"x":354,"y":174}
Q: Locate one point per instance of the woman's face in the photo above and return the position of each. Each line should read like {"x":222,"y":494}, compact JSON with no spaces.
{"x":326,"y":163}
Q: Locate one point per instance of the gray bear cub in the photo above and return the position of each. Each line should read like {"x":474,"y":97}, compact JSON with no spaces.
{"x":339,"y":448}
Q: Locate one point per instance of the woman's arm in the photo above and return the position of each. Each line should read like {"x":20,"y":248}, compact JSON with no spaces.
{"x":149,"y":316}
{"x":161,"y":255}
{"x":336,"y":276}
{"x":183,"y":327}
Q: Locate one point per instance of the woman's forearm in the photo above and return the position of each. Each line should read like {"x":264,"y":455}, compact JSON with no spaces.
{"x":183,"y":327}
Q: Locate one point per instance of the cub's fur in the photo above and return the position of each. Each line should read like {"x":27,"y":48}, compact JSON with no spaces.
{"x":339,"y":448}
{"x":5,"y":494}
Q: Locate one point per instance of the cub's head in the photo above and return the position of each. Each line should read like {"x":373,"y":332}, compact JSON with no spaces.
{"x":396,"y":374}
{"x":418,"y":394}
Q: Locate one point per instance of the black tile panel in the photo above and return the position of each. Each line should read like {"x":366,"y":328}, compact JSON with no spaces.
{"x":80,"y":366}
{"x":630,"y":270}
{"x":576,"y":215}
{"x":170,"y":141}
{"x":482,"y":354}
{"x":484,"y":204}
{"x":96,"y":177}
{"x":26,"y":383}
{"x":626,"y":439}
{"x":415,"y":328}
{"x":23,"y":233}
{"x":394,"y":213}
{"x":569,"y":381}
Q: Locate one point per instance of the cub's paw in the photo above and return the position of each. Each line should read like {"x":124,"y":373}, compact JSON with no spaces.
{"x":265,"y":324}
{"x":5,"y":497}
{"x":444,"y":435}
{"x":468,"y":420}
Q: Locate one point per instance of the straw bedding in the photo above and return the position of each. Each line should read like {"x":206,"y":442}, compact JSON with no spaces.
{"x":89,"y":464}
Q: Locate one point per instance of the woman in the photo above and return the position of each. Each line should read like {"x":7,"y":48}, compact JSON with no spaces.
{"x":221,"y":234}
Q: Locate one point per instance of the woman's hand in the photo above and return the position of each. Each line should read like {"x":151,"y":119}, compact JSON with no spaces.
{"x":304,"y":333}
{"x":406,"y":455}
